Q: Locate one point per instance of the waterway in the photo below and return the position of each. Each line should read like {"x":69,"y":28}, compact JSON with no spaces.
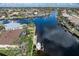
{"x":56,"y":35}
{"x":43,"y":20}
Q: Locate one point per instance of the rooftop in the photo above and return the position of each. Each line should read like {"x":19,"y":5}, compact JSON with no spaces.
{"x":10,"y":37}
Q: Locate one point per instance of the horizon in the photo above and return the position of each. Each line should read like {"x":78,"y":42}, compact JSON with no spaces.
{"x":70,"y":5}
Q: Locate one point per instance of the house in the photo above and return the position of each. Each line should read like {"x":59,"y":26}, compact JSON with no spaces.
{"x":10,"y":37}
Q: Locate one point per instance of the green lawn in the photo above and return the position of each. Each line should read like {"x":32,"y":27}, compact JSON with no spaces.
{"x":10,"y":52}
{"x":28,"y":39}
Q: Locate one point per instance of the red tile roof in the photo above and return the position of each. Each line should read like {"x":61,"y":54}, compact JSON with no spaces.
{"x":9,"y":37}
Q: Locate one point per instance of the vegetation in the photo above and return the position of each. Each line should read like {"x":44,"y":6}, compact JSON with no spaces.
{"x":2,"y":27}
{"x":10,"y":51}
{"x":28,"y":39}
{"x":11,"y":13}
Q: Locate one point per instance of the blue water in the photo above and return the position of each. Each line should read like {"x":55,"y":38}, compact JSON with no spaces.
{"x":48,"y":21}
{"x":6,"y":21}
{"x":23,"y":21}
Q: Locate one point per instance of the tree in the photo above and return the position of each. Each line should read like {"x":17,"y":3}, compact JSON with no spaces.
{"x":1,"y":27}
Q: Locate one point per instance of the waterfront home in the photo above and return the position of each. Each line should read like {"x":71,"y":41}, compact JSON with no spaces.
{"x":10,"y":39}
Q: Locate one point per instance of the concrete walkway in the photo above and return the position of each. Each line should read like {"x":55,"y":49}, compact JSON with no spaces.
{"x":9,"y":46}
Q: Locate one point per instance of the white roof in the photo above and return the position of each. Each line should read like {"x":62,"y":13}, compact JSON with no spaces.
{"x":12,"y":25}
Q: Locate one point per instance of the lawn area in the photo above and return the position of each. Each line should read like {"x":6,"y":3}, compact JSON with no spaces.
{"x":10,"y":52}
{"x":28,"y":39}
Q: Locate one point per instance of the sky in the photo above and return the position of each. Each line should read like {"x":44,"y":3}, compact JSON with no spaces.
{"x":39,"y":5}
